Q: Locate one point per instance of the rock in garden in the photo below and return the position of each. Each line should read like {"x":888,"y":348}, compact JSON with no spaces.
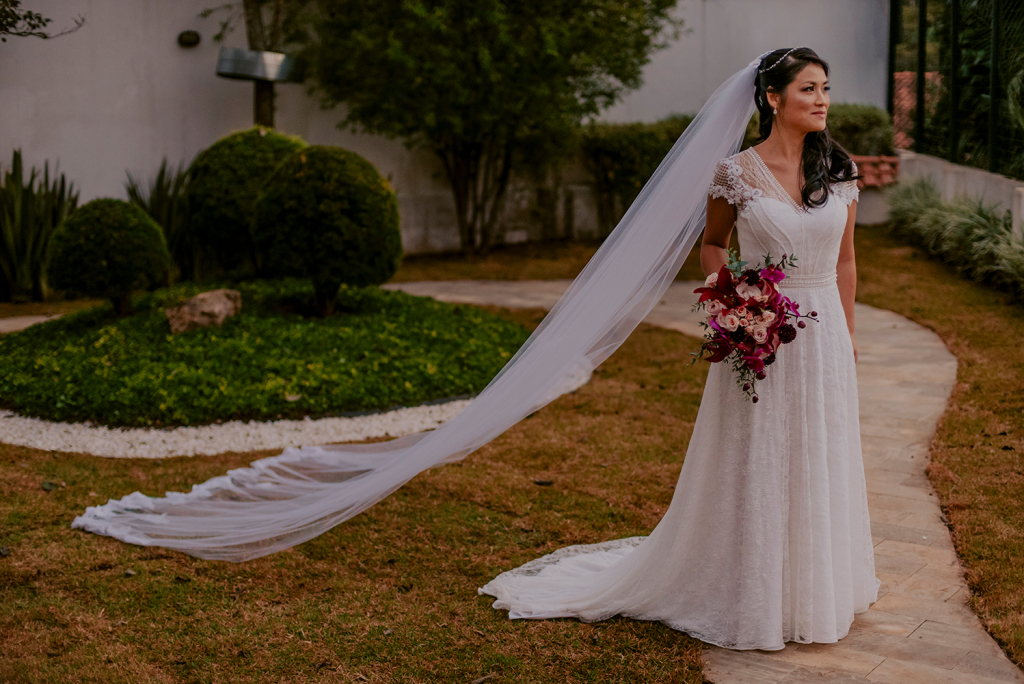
{"x":204,"y":310}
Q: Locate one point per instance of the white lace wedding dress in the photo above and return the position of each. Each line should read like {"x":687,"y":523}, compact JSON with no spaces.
{"x":767,"y":539}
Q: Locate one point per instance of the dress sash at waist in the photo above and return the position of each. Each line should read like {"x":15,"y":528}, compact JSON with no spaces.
{"x":804,"y":282}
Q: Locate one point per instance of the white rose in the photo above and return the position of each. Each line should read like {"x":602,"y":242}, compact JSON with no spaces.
{"x":715,"y":307}
{"x":728,"y":321}
{"x":711,"y":280}
{"x":760,"y":333}
{"x":747,"y":291}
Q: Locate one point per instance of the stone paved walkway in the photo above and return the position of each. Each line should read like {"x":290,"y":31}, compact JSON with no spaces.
{"x":16,"y":323}
{"x":920,"y":631}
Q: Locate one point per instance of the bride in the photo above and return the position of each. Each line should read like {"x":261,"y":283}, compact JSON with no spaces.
{"x":767,"y":539}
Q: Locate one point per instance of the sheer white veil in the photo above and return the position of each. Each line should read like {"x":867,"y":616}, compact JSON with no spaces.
{"x":278,"y":502}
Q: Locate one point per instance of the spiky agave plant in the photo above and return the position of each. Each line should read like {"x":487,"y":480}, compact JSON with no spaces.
{"x":164,"y":201}
{"x":30,"y":211}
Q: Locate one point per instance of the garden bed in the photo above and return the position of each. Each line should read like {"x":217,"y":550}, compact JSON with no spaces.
{"x":271,"y":361}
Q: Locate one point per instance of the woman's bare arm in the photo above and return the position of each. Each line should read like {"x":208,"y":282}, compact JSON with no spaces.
{"x":714,"y":249}
{"x":846,"y":273}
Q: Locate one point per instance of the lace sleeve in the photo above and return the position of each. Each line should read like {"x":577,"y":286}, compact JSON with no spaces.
{"x":728,"y":184}
{"x":847,"y":191}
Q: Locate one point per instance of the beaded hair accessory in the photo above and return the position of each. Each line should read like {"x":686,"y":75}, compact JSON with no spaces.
{"x":777,"y":62}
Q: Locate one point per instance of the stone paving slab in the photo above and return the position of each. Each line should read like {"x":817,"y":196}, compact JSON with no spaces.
{"x":16,"y":323}
{"x":920,"y":631}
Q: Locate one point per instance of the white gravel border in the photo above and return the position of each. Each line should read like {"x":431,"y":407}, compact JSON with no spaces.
{"x":208,"y":440}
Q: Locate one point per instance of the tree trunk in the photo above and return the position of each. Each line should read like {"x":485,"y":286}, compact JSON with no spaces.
{"x":263,"y":103}
{"x":122,"y":304}
{"x":478,"y":181}
{"x":326,"y":296}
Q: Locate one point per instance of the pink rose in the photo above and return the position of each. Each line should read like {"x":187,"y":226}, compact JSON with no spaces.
{"x":728,"y":321}
{"x":747,"y":291}
{"x":760,"y":333}
{"x":714,"y":307}
{"x":768,"y":317}
{"x":711,"y":280}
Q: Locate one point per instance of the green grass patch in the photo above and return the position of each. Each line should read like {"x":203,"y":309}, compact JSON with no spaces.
{"x":270,"y":361}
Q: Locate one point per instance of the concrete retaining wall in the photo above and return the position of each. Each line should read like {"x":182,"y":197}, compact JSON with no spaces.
{"x":955,"y":180}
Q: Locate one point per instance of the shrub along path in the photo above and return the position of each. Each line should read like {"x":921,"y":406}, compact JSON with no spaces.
{"x":921,"y":629}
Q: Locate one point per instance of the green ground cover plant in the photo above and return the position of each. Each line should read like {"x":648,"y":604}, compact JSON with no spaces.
{"x":382,"y":349}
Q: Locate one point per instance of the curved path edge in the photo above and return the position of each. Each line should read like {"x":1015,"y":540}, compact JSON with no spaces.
{"x":920,"y":631}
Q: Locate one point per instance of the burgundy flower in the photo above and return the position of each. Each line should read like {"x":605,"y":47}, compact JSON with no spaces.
{"x":770,"y":359}
{"x":755,"y":364}
{"x":787,"y":333}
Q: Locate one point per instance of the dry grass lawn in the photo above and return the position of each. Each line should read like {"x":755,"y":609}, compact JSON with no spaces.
{"x":390,"y":595}
{"x":387,"y":597}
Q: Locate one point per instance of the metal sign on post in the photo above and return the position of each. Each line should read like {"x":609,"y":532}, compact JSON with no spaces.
{"x":253,"y":65}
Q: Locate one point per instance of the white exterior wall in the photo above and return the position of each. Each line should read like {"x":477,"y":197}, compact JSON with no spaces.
{"x":120,"y":94}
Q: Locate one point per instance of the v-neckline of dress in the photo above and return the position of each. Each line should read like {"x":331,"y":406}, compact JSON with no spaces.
{"x":778,"y":185}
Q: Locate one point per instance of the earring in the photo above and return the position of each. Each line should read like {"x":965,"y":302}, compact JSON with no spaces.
{"x":775,"y":111}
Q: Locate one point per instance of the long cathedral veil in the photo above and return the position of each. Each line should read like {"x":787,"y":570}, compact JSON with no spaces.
{"x":278,"y":502}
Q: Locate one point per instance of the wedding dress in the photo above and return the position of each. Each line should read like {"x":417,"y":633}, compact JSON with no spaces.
{"x":767,"y":538}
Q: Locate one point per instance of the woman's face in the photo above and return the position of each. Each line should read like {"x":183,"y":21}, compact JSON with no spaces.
{"x":803,"y":106}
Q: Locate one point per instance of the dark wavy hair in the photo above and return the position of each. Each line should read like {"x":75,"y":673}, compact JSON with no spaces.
{"x":824,"y":160}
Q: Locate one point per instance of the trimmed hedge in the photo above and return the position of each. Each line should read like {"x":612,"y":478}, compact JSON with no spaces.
{"x":969,"y":235}
{"x":861,"y":129}
{"x":622,"y":157}
{"x":266,"y":362}
{"x":108,"y":248}
{"x":327,"y":215}
{"x":224,"y":182}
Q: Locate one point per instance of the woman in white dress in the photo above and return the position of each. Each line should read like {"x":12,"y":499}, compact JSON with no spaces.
{"x":767,"y":539}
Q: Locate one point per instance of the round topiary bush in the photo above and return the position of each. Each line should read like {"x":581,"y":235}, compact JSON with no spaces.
{"x":224,"y":181}
{"x":108,"y":248}
{"x":327,"y":215}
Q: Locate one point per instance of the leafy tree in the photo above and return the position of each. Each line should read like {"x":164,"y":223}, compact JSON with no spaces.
{"x":484,"y":84}
{"x":15,"y":21}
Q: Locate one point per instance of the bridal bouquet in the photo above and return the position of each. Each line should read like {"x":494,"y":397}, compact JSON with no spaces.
{"x":748,"y":318}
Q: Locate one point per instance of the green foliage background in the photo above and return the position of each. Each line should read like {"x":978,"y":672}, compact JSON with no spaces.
{"x":478,"y":83}
{"x":389,"y":349}
{"x":972,"y":237}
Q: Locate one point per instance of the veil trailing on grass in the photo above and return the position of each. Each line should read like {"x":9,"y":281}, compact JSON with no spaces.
{"x":278,"y":502}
